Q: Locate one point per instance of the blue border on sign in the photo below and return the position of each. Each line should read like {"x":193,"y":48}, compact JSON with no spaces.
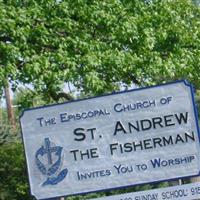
{"x":115,"y":93}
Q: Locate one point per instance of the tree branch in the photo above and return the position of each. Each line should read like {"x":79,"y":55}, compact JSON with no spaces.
{"x":57,"y":96}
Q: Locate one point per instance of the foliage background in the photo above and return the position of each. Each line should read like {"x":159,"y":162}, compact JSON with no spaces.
{"x":56,"y":50}
{"x":97,"y":45}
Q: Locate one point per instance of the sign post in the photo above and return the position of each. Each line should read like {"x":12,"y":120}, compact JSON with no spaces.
{"x":117,"y":140}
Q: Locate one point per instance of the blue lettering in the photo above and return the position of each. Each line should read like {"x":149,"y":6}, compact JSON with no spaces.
{"x":63,"y":117}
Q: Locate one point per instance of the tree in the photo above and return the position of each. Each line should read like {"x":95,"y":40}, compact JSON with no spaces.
{"x":14,"y":183}
{"x":96,"y":45}
{"x":9,"y":106}
{"x":25,"y":98}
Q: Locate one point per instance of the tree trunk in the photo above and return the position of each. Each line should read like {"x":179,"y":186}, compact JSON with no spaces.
{"x":10,"y":112}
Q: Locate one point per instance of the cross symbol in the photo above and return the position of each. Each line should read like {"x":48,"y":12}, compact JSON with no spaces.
{"x":48,"y":150}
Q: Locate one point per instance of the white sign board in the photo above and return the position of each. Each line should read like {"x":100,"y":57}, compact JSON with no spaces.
{"x":181,"y":192}
{"x":128,"y":138}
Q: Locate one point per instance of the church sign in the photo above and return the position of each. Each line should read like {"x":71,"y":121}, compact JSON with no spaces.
{"x":117,"y":140}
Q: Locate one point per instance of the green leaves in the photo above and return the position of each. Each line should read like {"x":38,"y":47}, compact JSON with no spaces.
{"x":95,"y":45}
{"x":13,"y":184}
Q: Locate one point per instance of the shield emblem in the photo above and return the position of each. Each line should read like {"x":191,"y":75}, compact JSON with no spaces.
{"x":48,"y":160}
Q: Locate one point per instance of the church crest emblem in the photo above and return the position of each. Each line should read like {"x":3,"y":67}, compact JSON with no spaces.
{"x":48,"y":160}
